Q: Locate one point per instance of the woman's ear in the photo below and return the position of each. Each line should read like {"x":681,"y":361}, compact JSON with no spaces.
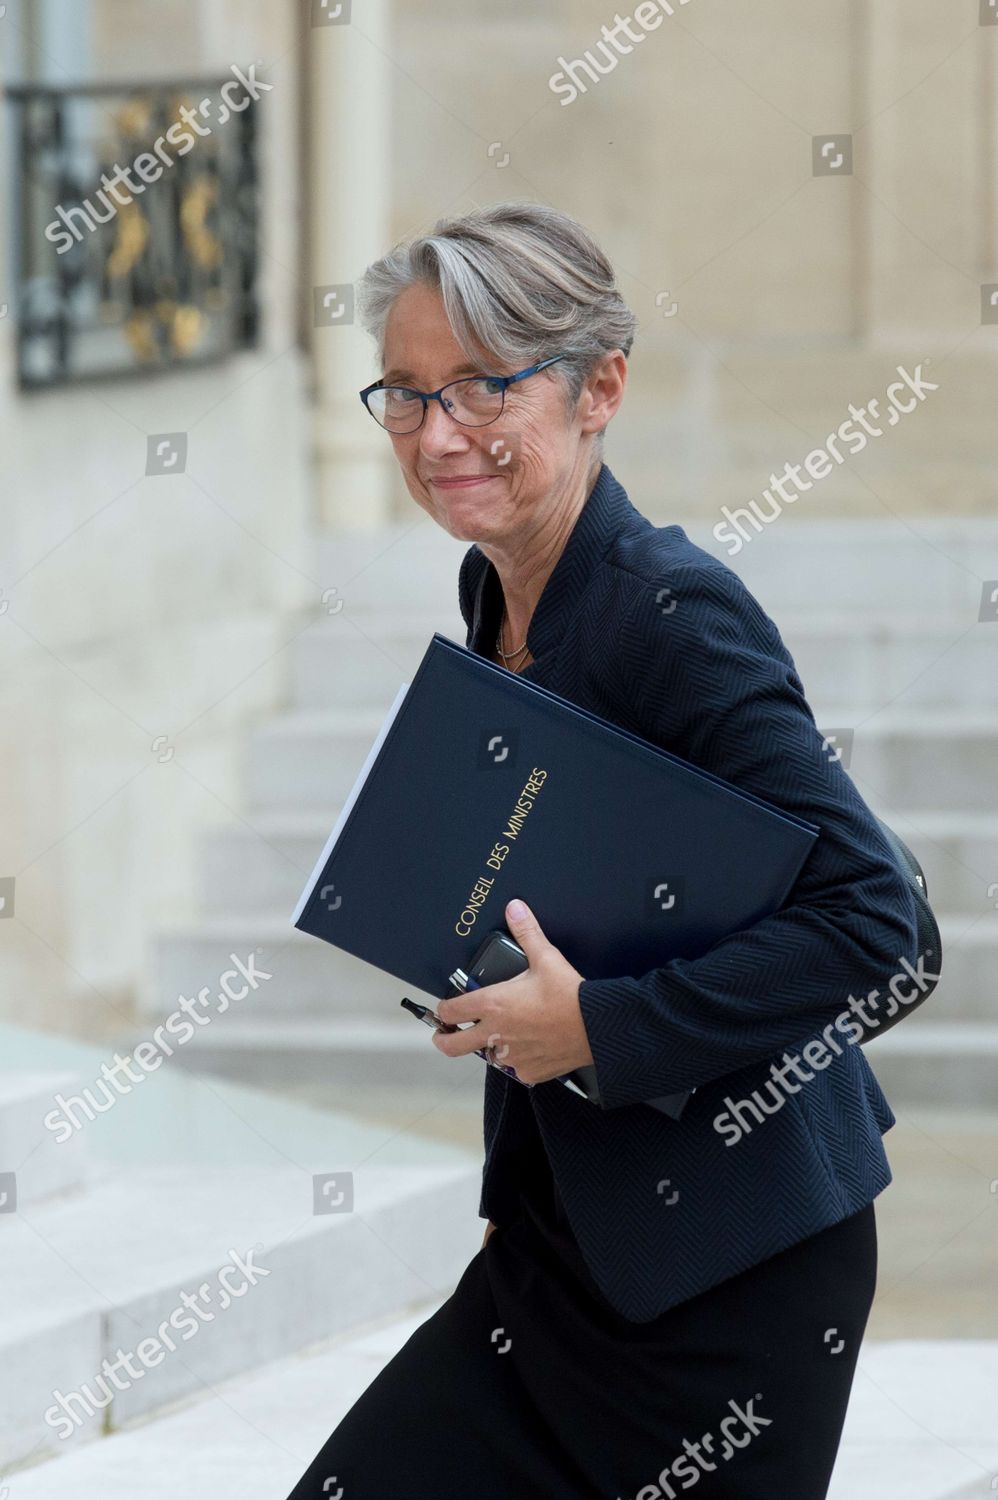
{"x":604,"y":391}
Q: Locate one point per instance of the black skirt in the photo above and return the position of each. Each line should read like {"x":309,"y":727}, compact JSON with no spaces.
{"x":526,"y":1384}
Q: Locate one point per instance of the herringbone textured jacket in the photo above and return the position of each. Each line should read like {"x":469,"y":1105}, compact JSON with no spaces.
{"x":648,"y":630}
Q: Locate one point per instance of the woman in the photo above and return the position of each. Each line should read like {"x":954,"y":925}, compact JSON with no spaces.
{"x":658,"y":1303}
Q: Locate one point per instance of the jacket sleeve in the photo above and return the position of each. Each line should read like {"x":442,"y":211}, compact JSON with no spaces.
{"x":704,"y":673}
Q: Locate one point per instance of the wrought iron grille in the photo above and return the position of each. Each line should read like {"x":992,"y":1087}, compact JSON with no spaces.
{"x":140,"y":272}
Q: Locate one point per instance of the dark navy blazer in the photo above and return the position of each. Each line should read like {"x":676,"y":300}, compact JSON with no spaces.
{"x":645,"y":628}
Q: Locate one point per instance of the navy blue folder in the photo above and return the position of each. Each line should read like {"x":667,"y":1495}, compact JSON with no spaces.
{"x":483,"y":785}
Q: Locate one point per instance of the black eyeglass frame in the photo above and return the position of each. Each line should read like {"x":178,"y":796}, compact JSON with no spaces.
{"x":503,"y":381}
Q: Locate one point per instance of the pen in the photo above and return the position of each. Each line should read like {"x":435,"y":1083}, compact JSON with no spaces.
{"x":430,"y":1018}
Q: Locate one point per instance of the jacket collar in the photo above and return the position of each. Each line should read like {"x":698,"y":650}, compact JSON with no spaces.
{"x":605,"y":513}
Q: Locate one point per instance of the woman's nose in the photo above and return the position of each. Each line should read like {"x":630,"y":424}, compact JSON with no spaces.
{"x":440,"y":433}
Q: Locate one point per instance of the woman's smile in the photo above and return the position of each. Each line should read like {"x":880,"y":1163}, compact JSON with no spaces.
{"x":462,"y":481}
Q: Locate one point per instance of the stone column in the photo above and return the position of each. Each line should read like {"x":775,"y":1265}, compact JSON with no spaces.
{"x":925,"y":149}
{"x":350,"y":166}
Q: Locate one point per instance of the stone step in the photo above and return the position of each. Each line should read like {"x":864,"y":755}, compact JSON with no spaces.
{"x":871,"y":664}
{"x":303,"y":760}
{"x":359,"y":661}
{"x":916,"y":757}
{"x":879,"y":569}
{"x":951,"y":1061}
{"x":870,"y":567}
{"x":86,"y":1278}
{"x":264,"y":868}
{"x":350,"y":1055}
{"x":842,"y":657}
{"x":42,"y":1163}
{"x":952,"y":1064}
{"x":966,"y":990}
{"x":958,"y":852}
{"x":413,"y":559}
{"x":312,"y":978}
{"x":305,"y":976}
{"x":919,"y":1426}
{"x":923,"y":760}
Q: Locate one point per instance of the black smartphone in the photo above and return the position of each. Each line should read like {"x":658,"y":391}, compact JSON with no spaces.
{"x":500,"y":957}
{"x":496,"y":958}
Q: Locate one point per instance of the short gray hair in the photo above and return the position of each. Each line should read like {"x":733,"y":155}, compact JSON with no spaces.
{"x":520,"y":281}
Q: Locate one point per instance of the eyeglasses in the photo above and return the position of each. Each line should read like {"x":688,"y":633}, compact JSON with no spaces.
{"x":474,"y":402}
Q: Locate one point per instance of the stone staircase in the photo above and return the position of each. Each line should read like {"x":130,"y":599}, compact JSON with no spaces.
{"x":883,"y":621}
{"x":919,"y":1426}
{"x":105,"y":1247}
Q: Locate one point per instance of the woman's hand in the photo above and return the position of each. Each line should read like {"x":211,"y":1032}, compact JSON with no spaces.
{"x":533,"y":1020}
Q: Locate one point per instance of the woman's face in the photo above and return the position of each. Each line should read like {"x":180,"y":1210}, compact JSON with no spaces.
{"x":537,"y":452}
